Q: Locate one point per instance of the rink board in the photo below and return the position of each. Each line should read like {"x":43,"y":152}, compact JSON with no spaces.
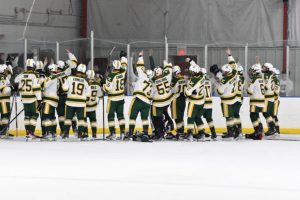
{"x":289,"y":114}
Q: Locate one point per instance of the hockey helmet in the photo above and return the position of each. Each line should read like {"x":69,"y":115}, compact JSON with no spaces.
{"x":239,"y":68}
{"x":2,"y":68}
{"x":226,"y":69}
{"x":194,"y":69}
{"x":203,"y":70}
{"x":52,"y":68}
{"x":90,"y":74}
{"x":267,"y":67}
{"x":116,"y":64}
{"x":61,"y":65}
{"x":81,"y":68}
{"x":149,"y":73}
{"x":158,"y":71}
{"x":176,"y":70}
{"x":30,"y":63}
{"x":39,"y":65}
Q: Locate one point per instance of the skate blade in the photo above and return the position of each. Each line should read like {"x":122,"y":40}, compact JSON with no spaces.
{"x":228,"y":139}
{"x":272,"y":136}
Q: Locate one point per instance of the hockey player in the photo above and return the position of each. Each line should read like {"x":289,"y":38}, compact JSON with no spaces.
{"x":64,"y":69}
{"x":208,"y":105}
{"x":178,"y":103}
{"x":256,"y":91}
{"x":62,"y":96}
{"x":226,"y":88}
{"x":240,"y":82}
{"x":78,"y":91}
{"x":50,"y":100}
{"x":195,"y":97}
{"x":162,"y":97}
{"x":92,"y":101}
{"x":141,"y":100}
{"x":5,"y":92}
{"x":41,"y":76}
{"x":115,"y":88}
{"x":276,"y":72}
{"x":30,"y":90}
{"x":268,"y":112}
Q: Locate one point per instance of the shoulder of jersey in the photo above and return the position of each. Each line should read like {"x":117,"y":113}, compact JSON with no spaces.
{"x":111,"y":76}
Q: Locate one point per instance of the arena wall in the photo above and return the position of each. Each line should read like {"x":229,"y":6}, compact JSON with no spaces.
{"x":288,"y":116}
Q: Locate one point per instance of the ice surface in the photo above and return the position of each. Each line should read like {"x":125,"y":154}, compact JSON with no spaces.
{"x":159,"y":170}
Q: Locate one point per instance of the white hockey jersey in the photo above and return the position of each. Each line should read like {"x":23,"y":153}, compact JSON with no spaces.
{"x":256,"y":91}
{"x":5,"y":91}
{"x":51,"y":85}
{"x":269,"y":86}
{"x":78,"y":91}
{"x":115,"y":85}
{"x":227,"y":89}
{"x":92,"y":99}
{"x":178,"y":86}
{"x":29,"y":87}
{"x":143,"y":86}
{"x":194,"y":90}
{"x":162,"y":93}
{"x":207,"y":94}
{"x":240,"y":87}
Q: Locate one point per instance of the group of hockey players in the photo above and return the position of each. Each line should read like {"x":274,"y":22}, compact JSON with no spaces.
{"x":71,"y":93}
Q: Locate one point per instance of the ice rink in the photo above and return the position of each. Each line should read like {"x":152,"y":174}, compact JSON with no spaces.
{"x":159,"y":170}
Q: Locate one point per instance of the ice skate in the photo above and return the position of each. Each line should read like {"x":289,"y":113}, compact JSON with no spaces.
{"x":111,"y":136}
{"x":238,"y":134}
{"x":228,"y":136}
{"x":45,"y":137}
{"x":188,"y":137}
{"x":213,"y":136}
{"x":271,"y":133}
{"x":128,"y":136}
{"x":169,"y":136}
{"x":30,"y":136}
{"x":200,"y":137}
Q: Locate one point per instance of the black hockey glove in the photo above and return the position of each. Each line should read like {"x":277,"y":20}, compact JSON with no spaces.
{"x":123,"y":54}
{"x":214,"y":69}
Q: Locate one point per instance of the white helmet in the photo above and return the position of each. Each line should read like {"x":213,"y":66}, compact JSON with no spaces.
{"x":268,"y":66}
{"x":239,"y":68}
{"x":158,"y":71}
{"x":149,"y":73}
{"x":61,"y":64}
{"x":203,"y":70}
{"x":30,"y":63}
{"x":275,"y":71}
{"x":9,"y":69}
{"x":39,"y":64}
{"x":176,"y":69}
{"x":81,"y":68}
{"x":2,"y":68}
{"x":195,"y":69}
{"x":116,"y":64}
{"x":52,"y":68}
{"x":255,"y":69}
{"x":90,"y":74}
{"x":226,"y":69}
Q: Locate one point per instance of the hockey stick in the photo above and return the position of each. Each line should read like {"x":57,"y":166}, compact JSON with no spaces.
{"x":284,"y":139}
{"x":16,"y":120}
